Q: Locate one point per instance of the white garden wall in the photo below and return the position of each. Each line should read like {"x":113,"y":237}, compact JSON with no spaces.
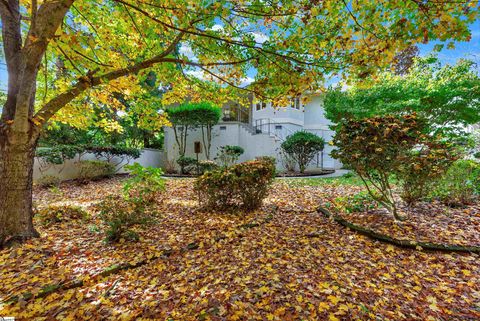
{"x":69,"y":170}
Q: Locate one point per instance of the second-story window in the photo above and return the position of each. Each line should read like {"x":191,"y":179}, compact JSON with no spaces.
{"x":261,"y":105}
{"x":296,"y":103}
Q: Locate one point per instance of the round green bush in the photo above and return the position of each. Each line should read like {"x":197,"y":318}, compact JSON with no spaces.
{"x":302,"y":147}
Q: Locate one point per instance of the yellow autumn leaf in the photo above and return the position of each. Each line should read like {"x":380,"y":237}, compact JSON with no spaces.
{"x":332,"y":317}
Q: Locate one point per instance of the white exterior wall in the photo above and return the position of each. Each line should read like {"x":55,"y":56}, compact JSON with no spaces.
{"x":279,"y":115}
{"x":309,"y":118}
{"x":232,"y":133}
{"x":70,"y":170}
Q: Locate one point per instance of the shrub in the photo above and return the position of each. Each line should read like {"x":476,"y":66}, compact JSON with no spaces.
{"x":59,"y":153}
{"x":56,"y":155}
{"x":60,"y":213}
{"x":228,"y":155}
{"x":381,"y":148}
{"x":187,"y":164}
{"x":359,"y":202}
{"x":109,"y":153}
{"x":243,"y":185}
{"x":119,"y":215}
{"x":270,"y":159}
{"x":460,"y":185}
{"x":48,"y":181}
{"x":420,"y":168}
{"x":144,"y":184}
{"x":94,"y":170}
{"x":206,"y":166}
{"x":302,"y":147}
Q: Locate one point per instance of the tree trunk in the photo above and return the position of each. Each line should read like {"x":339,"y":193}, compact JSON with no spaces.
{"x":16,"y":171}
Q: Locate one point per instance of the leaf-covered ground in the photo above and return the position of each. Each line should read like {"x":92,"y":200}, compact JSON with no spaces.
{"x":284,"y":262}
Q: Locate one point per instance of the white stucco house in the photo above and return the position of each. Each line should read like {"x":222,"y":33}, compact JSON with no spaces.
{"x":260,"y":130}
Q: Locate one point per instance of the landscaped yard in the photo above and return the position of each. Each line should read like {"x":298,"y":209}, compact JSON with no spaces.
{"x":284,"y":261}
{"x":150,"y":154}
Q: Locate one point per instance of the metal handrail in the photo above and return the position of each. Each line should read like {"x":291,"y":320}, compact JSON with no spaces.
{"x":261,"y":123}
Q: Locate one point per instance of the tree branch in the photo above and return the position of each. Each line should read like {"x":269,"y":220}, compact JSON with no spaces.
{"x":83,"y":83}
{"x":202,"y":33}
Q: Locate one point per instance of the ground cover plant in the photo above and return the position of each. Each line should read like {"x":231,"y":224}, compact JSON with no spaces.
{"x":283,"y":261}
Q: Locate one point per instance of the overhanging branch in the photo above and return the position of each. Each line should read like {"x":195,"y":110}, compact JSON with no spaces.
{"x":83,"y":83}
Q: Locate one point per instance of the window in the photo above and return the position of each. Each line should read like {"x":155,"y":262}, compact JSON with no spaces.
{"x":223,"y":127}
{"x":261,"y":105}
{"x":278,"y":127}
{"x":296,"y":103}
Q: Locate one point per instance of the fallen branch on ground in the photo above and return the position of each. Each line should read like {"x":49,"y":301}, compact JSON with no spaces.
{"x":79,"y":282}
{"x":401,"y":243}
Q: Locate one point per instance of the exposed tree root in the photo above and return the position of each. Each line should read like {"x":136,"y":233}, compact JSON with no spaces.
{"x":400,"y":243}
{"x":49,"y":289}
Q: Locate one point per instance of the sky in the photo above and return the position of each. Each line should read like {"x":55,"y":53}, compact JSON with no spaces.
{"x":469,"y":50}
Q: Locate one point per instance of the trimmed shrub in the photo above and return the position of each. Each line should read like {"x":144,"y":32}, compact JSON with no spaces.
{"x":56,"y":155}
{"x":270,"y":159}
{"x":59,"y":153}
{"x":206,"y":166}
{"x":93,"y":170}
{"x":60,"y":213}
{"x":228,"y":155}
{"x":460,"y":185}
{"x":243,"y":185}
{"x":109,"y":153}
{"x":144,"y":184}
{"x":48,"y":181}
{"x":187,"y":164}
{"x":381,"y":148}
{"x":302,"y":147}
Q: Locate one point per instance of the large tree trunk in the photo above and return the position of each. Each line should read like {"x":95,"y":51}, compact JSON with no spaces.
{"x":16,"y":171}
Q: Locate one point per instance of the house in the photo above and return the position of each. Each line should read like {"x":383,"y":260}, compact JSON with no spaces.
{"x":261,"y":129}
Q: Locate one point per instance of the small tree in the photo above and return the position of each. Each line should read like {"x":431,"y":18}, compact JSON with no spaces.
{"x":381,"y":148}
{"x":179,"y":117}
{"x":302,"y":147}
{"x":202,"y":115}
